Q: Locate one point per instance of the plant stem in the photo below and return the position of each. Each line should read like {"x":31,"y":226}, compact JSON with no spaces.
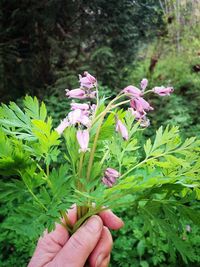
{"x":101,"y":116}
{"x":67,"y":224}
{"x":121,"y":103}
{"x":144,"y":161}
{"x":34,"y":196}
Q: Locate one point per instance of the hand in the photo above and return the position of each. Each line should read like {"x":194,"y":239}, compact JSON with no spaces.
{"x":92,"y":242}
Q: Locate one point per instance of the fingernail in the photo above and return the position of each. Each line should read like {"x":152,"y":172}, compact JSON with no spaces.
{"x":100,"y":259}
{"x":94,"y":224}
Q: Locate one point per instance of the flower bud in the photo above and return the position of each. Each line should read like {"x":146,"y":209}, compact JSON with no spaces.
{"x":163,"y":91}
{"x":88,"y":81}
{"x":83,"y":140}
{"x":140,"y":105}
{"x":76,"y":93}
{"x":110,"y":177}
{"x":121,"y":128}
{"x":144,"y":83}
{"x":133,"y":91}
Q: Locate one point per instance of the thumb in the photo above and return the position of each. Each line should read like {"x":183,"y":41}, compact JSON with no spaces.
{"x":81,"y":244}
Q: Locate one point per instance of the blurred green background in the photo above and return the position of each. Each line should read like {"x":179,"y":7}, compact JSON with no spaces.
{"x":44,"y":45}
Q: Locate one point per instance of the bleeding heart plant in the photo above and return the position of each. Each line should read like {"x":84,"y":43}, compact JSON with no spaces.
{"x":105,"y":163}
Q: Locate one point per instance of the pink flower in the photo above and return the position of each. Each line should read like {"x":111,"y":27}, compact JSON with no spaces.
{"x":163,"y":91}
{"x":140,"y":105}
{"x":62,"y":126}
{"x":93,"y":107}
{"x":79,"y":116}
{"x":109,"y":172}
{"x":110,"y":177}
{"x":92,"y":94}
{"x":121,"y":128}
{"x":76,"y":93}
{"x":84,"y":120}
{"x":88,"y":81}
{"x":144,"y":83}
{"x":74,"y":116}
{"x":138,"y":115}
{"x":79,"y":106}
{"x":83,"y":140}
{"x":106,"y":182}
{"x":132,"y":90}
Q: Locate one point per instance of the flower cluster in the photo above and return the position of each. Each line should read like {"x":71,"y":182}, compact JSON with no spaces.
{"x":81,"y":113}
{"x":139,"y":106}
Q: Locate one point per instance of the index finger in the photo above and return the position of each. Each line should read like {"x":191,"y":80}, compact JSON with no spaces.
{"x":111,"y":220}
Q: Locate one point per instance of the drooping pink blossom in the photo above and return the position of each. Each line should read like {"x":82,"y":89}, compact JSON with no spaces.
{"x":62,"y":126}
{"x":76,"y":93}
{"x":163,"y":91}
{"x":132,"y":91}
{"x":79,"y":106}
{"x":121,"y":128}
{"x":110,"y":177}
{"x":83,"y":139}
{"x":144,"y":83}
{"x":138,"y":115}
{"x":88,"y":81}
{"x":84,"y":119}
{"x":140,"y":105}
{"x":74,"y":116}
{"x":79,"y":116}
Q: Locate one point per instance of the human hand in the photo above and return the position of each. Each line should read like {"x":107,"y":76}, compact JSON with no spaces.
{"x":92,"y":242}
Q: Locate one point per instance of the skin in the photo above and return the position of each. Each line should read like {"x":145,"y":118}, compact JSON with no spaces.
{"x":91,"y":243}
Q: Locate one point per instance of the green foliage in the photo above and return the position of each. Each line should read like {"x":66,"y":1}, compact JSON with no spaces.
{"x":158,"y":178}
{"x":133,"y":246}
{"x":162,"y":64}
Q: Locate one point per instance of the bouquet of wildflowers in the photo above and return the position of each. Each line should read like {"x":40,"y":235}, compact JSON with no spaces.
{"x":97,"y":158}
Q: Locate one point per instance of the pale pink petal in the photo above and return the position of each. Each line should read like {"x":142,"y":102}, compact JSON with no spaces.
{"x":132,"y":91}
{"x":144,"y":83}
{"x":163,"y":91}
{"x":76,"y":93}
{"x":62,"y":126}
{"x":83,"y":139}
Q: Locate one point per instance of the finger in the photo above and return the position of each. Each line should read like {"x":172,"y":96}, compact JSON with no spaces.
{"x":111,"y":220}
{"x":51,"y":243}
{"x":48,"y":246}
{"x":80,"y":245}
{"x":72,"y":214}
{"x":102,"y":249}
{"x":105,"y":262}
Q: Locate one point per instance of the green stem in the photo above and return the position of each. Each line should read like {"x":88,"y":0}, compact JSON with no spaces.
{"x":121,"y":103}
{"x":46,"y":176}
{"x":144,"y":161}
{"x":86,"y":216}
{"x":108,"y":107}
{"x":101,"y":116}
{"x":34,"y":196}
{"x":67,"y":224}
